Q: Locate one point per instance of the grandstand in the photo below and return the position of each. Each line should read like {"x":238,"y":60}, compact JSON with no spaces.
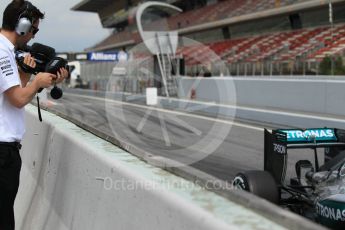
{"x":253,"y":37}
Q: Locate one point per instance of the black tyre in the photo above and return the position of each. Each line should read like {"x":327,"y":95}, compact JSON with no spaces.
{"x":260,"y":183}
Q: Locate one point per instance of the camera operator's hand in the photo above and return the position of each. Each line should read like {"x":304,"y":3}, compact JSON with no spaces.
{"x":62,"y":74}
{"x":30,"y":61}
{"x":44,"y":80}
{"x":25,"y":77}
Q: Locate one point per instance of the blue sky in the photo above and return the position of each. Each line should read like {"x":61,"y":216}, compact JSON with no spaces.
{"x":64,"y":29}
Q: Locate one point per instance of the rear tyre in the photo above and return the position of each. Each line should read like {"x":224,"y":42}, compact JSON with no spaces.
{"x":260,"y":183}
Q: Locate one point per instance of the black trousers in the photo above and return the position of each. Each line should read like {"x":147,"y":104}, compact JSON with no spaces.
{"x":10,"y":165}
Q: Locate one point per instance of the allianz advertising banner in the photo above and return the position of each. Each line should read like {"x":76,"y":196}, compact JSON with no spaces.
{"x":107,"y":56}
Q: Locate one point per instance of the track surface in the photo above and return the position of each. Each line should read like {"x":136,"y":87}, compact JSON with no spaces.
{"x":218,"y":147}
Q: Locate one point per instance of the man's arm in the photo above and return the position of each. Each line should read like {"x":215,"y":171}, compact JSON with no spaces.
{"x":24,"y":78}
{"x":19,"y":97}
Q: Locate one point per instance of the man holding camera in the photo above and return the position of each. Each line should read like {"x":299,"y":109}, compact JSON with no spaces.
{"x":19,"y":26}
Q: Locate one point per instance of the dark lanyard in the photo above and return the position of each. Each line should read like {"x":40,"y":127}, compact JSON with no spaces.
{"x":39,"y":109}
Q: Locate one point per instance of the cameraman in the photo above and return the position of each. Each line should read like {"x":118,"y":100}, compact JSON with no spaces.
{"x":20,"y":24}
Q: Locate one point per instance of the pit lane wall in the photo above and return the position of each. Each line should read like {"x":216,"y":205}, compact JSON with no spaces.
{"x":297,"y":101}
{"x":294,"y":101}
{"x":71,"y":179}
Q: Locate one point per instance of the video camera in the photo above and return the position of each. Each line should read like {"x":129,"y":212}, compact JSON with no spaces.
{"x":46,"y":61}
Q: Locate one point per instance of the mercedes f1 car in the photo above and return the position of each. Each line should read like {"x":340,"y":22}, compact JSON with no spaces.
{"x":316,"y":191}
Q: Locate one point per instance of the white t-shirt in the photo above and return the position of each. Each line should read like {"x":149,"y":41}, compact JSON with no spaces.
{"x":12,"y":126}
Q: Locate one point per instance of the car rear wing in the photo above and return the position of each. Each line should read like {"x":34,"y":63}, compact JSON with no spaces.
{"x":279,"y":141}
{"x":314,"y":138}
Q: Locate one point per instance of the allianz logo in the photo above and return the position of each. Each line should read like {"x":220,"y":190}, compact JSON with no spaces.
{"x":103,"y":56}
{"x":330,"y":213}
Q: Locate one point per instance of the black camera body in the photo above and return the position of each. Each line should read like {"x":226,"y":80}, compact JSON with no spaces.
{"x":46,"y":61}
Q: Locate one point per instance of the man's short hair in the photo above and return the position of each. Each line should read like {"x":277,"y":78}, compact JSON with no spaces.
{"x":18,"y":9}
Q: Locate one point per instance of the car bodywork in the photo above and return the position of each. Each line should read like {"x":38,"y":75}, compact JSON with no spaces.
{"x":317,"y":192}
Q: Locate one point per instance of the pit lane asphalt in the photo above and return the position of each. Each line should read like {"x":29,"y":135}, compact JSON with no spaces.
{"x":217,"y":146}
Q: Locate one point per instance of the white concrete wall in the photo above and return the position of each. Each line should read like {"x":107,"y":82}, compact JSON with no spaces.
{"x":286,"y":101}
{"x":303,"y":95}
{"x":71,"y":179}
{"x":296,"y":101}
